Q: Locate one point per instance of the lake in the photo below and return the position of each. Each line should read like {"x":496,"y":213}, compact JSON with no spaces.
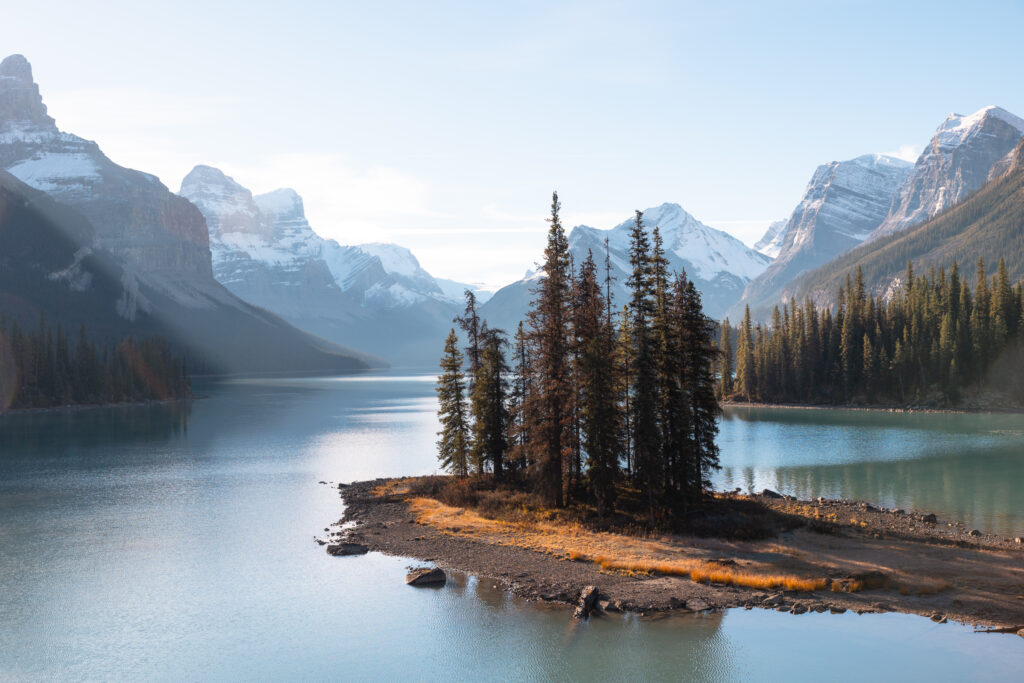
{"x":172,"y":542}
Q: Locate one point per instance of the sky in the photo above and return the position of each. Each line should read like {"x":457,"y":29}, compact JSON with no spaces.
{"x":445,"y":126}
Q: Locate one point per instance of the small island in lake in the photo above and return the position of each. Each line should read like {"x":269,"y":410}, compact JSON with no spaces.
{"x":581,"y":474}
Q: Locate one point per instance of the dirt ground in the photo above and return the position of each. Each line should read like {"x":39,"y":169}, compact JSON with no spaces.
{"x":906,"y":562}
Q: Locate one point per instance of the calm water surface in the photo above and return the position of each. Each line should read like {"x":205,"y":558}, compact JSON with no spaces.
{"x":176,"y":543}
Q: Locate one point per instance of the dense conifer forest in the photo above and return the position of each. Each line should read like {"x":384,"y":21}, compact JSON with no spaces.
{"x":587,"y":403}
{"x":46,"y":367}
{"x":931,"y":341}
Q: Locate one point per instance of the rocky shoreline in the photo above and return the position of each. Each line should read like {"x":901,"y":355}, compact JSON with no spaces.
{"x":979,"y":578}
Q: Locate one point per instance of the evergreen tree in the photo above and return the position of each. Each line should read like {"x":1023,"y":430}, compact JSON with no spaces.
{"x":549,"y":322}
{"x":453,"y":446}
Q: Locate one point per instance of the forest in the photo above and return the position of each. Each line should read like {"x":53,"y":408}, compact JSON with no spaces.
{"x":930,"y":342}
{"x":43,"y":368}
{"x":586,"y":403}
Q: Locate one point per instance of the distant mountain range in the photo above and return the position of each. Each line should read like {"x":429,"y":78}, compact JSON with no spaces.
{"x":242,"y":283}
{"x":988,"y":224}
{"x":718,"y":263}
{"x":369,"y":296}
{"x":871,"y":197}
{"x":132,"y":257}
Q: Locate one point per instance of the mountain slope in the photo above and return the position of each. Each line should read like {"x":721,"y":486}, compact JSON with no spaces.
{"x":370,"y":296}
{"x":157,"y":241}
{"x":50,"y":264}
{"x":718,"y":263}
{"x":843,"y":203}
{"x":958,"y":160}
{"x":989,"y":224}
{"x":770,"y":243}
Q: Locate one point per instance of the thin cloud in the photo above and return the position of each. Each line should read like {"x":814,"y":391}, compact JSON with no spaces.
{"x":906,"y":152}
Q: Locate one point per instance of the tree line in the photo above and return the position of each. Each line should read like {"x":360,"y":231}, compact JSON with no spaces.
{"x":927,"y":340}
{"x":44,"y":367}
{"x":586,"y":401}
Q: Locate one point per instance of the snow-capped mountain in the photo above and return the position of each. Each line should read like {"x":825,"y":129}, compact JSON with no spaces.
{"x":162,"y":236}
{"x":152,"y":243}
{"x":373,"y":296}
{"x":843,"y":203}
{"x":961,"y":156}
{"x":770,"y":243}
{"x":719,"y":264}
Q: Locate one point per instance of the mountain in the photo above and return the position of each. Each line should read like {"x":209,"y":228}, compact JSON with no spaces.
{"x":989,"y":224}
{"x":718,"y":263}
{"x":843,"y":203}
{"x":770,"y":243}
{"x":51,"y":264}
{"x":372,"y":296}
{"x":152,"y":242}
{"x":959,"y":159}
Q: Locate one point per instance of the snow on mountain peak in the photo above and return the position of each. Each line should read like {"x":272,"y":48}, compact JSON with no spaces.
{"x":281,"y":202}
{"x":957,"y":127}
{"x":395,"y":259}
{"x":707,"y":251}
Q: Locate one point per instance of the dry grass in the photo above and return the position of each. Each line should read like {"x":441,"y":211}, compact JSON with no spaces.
{"x":610,"y":551}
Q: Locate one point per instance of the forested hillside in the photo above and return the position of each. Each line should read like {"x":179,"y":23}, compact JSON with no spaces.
{"x":988,"y":225}
{"x":934,"y":342}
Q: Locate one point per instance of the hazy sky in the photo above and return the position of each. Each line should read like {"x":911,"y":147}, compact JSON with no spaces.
{"x":445,"y":126}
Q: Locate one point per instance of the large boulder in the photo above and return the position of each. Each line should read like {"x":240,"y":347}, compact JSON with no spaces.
{"x":586,"y":602}
{"x":425,"y":576}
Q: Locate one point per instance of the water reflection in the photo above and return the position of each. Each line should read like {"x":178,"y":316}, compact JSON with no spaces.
{"x":144,"y":543}
{"x":967,"y":467}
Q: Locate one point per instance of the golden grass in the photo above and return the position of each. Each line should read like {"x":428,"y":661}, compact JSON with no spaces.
{"x":610,"y":551}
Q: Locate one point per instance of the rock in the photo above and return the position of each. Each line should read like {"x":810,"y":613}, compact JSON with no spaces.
{"x":768,"y":493}
{"x":586,"y":602}
{"x":783,"y":608}
{"x":837,"y":610}
{"x":320,"y":541}
{"x":343,"y":549}
{"x":930,"y":518}
{"x":1021,"y":633}
{"x":697,"y":605}
{"x":773,"y":600}
{"x":426,"y":576}
{"x":975,"y":532}
{"x":799,"y":609}
{"x":938,"y":618}
{"x":676,"y":603}
{"x":1018,"y":540}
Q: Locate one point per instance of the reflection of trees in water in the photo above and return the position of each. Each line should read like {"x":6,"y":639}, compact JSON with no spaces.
{"x":980,"y":490}
{"x":73,"y":429}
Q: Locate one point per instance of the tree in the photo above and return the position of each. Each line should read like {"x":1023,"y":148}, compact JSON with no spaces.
{"x":453,"y":446}
{"x":725,"y":360}
{"x":490,"y":405}
{"x":549,"y":322}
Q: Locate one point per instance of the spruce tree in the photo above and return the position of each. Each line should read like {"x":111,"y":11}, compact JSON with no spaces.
{"x":453,"y":446}
{"x":549,"y":322}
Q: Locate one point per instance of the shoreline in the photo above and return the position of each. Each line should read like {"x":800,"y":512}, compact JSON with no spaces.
{"x":77,"y":407}
{"x":875,"y":408}
{"x":938,"y":559}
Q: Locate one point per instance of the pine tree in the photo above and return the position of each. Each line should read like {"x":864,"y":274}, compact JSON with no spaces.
{"x":490,"y":405}
{"x":549,"y":322}
{"x":725,"y":361}
{"x":453,"y":446}
{"x":644,"y":370}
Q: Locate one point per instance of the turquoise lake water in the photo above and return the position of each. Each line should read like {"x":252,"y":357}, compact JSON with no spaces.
{"x":176,"y":543}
